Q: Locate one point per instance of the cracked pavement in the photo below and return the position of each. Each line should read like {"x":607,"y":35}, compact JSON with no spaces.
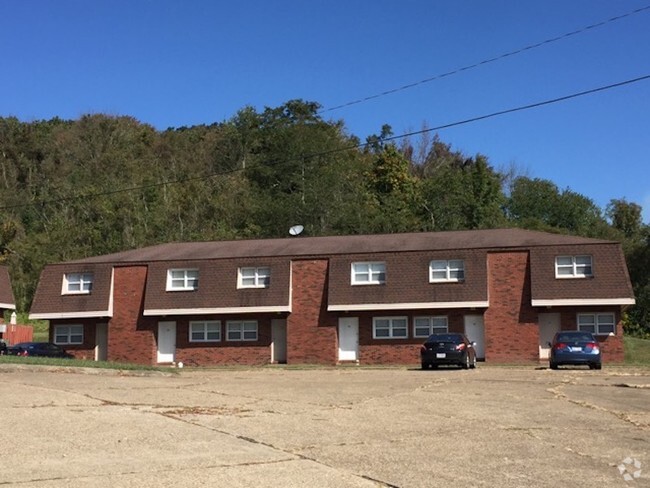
{"x":345,"y":427}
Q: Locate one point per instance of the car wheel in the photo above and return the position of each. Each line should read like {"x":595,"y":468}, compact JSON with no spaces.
{"x":465,"y":365}
{"x":434,"y":366}
{"x":473,"y":365}
{"x":425,"y":365}
{"x":553,"y":365}
{"x":598,"y":366}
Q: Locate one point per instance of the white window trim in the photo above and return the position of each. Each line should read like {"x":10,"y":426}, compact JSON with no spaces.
{"x":259,"y":277}
{"x":205,"y":324}
{"x":431,"y":319}
{"x":353,"y":274}
{"x":448,"y":270}
{"x":390,"y":327}
{"x":185,"y":287}
{"x":574,"y":266}
{"x":84,"y":278}
{"x":69,"y":334}
{"x":238,"y":325}
{"x":597,"y":322}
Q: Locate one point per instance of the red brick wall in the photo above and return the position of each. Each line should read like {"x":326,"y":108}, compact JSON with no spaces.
{"x":86,"y":350}
{"x":400,"y":351}
{"x":224,"y":351}
{"x":311,"y":330}
{"x":511,"y":330}
{"x":131,"y":337}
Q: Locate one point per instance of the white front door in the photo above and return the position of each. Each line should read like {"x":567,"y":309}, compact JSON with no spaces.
{"x":348,"y":339}
{"x":475,"y":332}
{"x":549,"y":324}
{"x":101,"y":342}
{"x":166,"y":342}
{"x":279,"y":341}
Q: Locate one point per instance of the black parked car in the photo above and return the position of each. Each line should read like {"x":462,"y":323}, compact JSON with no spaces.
{"x":575,"y":348}
{"x":448,"y":349}
{"x":38,"y":349}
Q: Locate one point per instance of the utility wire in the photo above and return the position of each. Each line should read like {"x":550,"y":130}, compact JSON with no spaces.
{"x":486,"y":61}
{"x":348,"y":148}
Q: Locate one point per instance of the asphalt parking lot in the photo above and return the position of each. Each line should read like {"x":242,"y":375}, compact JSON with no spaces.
{"x":346,"y":427}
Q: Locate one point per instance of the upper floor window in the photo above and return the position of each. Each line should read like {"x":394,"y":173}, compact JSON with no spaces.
{"x":182,"y":279}
{"x":205,"y":331}
{"x":389,"y":328}
{"x":77,"y":283}
{"x":572,"y":266}
{"x":425,"y":326}
{"x":452,"y":270}
{"x":254,"y":277}
{"x":597,"y":323}
{"x":68,"y":334}
{"x":368,"y":273}
{"x":241,"y":330}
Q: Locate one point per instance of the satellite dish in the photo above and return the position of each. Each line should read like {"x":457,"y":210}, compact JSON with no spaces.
{"x":296,"y":230}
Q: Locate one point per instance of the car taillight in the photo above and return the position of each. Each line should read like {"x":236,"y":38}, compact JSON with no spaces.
{"x":23,"y":353}
{"x":559,"y":345}
{"x":460,"y":347}
{"x":423,"y":348}
{"x":593,"y":345}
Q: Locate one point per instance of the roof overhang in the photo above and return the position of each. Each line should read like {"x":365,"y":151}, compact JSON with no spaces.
{"x":567,"y":302}
{"x":10,"y":306}
{"x":359,"y":307}
{"x":71,"y":315}
{"x":154,"y":312}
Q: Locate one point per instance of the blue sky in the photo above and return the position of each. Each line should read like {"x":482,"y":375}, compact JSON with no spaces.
{"x":175,"y":63}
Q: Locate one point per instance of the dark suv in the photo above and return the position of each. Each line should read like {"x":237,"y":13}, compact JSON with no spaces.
{"x":575,"y":348}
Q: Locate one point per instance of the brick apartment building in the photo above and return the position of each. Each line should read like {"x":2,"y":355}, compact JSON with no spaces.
{"x":370,"y":299}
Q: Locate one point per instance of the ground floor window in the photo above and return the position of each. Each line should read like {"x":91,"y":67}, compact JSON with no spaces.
{"x":68,"y":334}
{"x":241,"y":330}
{"x":389,"y":327}
{"x":425,"y":326}
{"x":205,"y":331}
{"x":597,"y":323}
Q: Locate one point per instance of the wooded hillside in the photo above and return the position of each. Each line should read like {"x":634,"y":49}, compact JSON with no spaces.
{"x":102,"y":184}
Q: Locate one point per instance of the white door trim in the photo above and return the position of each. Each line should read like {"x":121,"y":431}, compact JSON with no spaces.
{"x":549,"y":324}
{"x":166,"y":344}
{"x":348,"y":339}
{"x":475,"y":332}
{"x":279,"y":341}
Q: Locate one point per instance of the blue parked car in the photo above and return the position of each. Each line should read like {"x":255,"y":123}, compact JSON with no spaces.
{"x":575,"y":348}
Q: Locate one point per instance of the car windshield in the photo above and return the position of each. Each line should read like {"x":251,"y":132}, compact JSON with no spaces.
{"x":455,"y":338}
{"x":575,"y":337}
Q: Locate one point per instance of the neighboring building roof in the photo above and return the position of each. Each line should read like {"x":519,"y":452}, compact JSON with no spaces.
{"x":6,"y":293}
{"x":335,"y":245}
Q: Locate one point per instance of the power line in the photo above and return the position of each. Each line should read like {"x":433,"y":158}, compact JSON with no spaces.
{"x":486,"y":61}
{"x":348,"y":148}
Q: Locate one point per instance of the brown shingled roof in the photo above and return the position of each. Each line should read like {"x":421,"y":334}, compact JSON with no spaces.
{"x":313,"y":246}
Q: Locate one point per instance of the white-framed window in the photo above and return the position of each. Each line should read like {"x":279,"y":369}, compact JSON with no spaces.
{"x":450,"y":270}
{"x":68,"y":334}
{"x":259,"y":277}
{"x":425,"y":326}
{"x":241,"y":330}
{"x":74,"y":283}
{"x":368,"y":273}
{"x":573,"y":266}
{"x":205,"y":331}
{"x":597,"y":323}
{"x":389,"y":328}
{"x":182,"y":279}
